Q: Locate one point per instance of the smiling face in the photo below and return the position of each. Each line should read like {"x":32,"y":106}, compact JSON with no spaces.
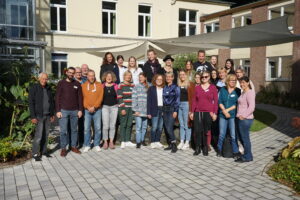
{"x":239,"y":73}
{"x":120,"y":61}
{"x":84,"y":69}
{"x":228,"y":65}
{"x":205,"y":77}
{"x":91,"y":76}
{"x":169,"y":78}
{"x":127,"y":77}
{"x":182,"y":76}
{"x":43,"y":78}
{"x":214,"y":74}
{"x":188,"y":66}
{"x":151,"y":55}
{"x":198,"y":79}
{"x":108,"y":78}
{"x":232,"y":82}
{"x":70,"y":74}
{"x":132,"y":63}
{"x":142,"y":79}
{"x":159,"y":81}
{"x":201,"y":57}
{"x":213,"y":60}
{"x":78,"y":73}
{"x":222,"y":75}
{"x":169,"y":63}
{"x":109,"y":58}
{"x":244,"y":85}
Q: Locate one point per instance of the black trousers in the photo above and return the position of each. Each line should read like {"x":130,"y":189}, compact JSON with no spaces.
{"x":202,"y":124}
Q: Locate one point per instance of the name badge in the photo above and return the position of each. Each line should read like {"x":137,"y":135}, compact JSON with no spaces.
{"x":75,"y":87}
{"x":233,"y":95}
{"x":206,"y":90}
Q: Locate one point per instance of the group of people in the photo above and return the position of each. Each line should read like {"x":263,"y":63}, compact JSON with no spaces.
{"x":208,"y":101}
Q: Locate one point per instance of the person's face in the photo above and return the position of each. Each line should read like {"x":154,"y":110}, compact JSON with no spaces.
{"x":159,"y":81}
{"x":213,"y":60}
{"x":142,"y":79}
{"x":244,"y":85}
{"x":108,"y":78}
{"x":91,"y":77}
{"x":120,"y":61}
{"x":84,"y":69}
{"x":197,"y":79}
{"x":70,"y":74}
{"x":201,"y":57}
{"x":169,"y":62}
{"x":232,"y":82}
{"x":239,"y":73}
{"x":151,"y":56}
{"x":132,"y":62}
{"x":188,"y":66}
{"x":78,"y":73}
{"x":43,"y":79}
{"x":228,"y":65}
{"x":127,"y":78}
{"x":109,"y":58}
{"x":214,"y":74}
{"x":169,"y":79}
{"x":222,"y":75}
{"x":205,"y":78}
{"x":182,"y":76}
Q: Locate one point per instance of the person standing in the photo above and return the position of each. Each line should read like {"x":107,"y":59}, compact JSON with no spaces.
{"x":228,"y":97}
{"x":189,"y":70}
{"x":222,"y":78}
{"x":214,"y":62}
{"x":214,"y":77}
{"x":204,"y":111}
{"x":68,"y":106}
{"x":110,"y":109}
{"x":201,"y":65}
{"x":109,"y":64}
{"x":92,"y":92}
{"x":139,"y":107}
{"x":246,"y":107}
{"x":84,"y":71}
{"x":169,"y":67}
{"x":78,"y":75}
{"x":41,"y":107}
{"x":240,"y":73}
{"x":119,"y":71}
{"x":171,"y":98}
{"x":125,"y":110}
{"x":134,"y":69}
{"x":229,"y":66}
{"x":152,"y":66}
{"x":155,"y":109}
{"x":183,"y":112}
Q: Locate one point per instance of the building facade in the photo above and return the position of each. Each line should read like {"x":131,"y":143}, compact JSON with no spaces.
{"x":68,"y":25}
{"x":267,"y":65}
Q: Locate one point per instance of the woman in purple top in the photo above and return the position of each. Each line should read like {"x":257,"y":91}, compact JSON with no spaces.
{"x":204,"y":111}
{"x":246,"y":107}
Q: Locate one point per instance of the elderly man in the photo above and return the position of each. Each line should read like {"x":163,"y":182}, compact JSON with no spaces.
{"x":41,"y":105}
{"x":84,"y":72}
{"x":78,"y":75}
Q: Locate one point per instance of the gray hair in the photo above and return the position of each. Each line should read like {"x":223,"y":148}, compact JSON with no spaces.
{"x":41,"y":74}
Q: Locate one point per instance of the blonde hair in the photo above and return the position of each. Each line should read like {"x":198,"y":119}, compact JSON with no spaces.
{"x":222,"y":69}
{"x":132,"y":57}
{"x":126,"y":73}
{"x":186,"y":82}
{"x":230,"y":76}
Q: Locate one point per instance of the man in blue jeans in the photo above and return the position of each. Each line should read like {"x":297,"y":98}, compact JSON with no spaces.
{"x":68,"y":107}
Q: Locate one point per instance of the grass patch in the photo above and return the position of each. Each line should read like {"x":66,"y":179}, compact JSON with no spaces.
{"x":262,"y":119}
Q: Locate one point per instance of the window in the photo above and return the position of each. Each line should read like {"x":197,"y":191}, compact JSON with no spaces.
{"x":144,"y":20}
{"x":288,"y":10}
{"x":109,"y":17}
{"x":59,"y":63}
{"x":211,"y":27}
{"x":241,"y":21}
{"x":58,"y":15}
{"x":187,"y":22}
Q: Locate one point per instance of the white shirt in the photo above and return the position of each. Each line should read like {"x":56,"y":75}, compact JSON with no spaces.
{"x":135,"y":75}
{"x":121,"y":73}
{"x":159,"y":92}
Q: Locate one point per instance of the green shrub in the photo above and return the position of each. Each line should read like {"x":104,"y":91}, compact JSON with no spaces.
{"x":180,"y":59}
{"x":9,"y":150}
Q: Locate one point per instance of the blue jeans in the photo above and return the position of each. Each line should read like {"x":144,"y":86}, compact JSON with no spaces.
{"x":244,"y":127}
{"x":157,"y":126}
{"x":223,"y":125}
{"x":63,"y":124}
{"x":183,"y":117}
{"x":169,"y":123}
{"x":141,"y":128}
{"x":96,"y":117}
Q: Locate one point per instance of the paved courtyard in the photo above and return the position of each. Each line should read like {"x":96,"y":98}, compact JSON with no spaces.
{"x":154,"y":174}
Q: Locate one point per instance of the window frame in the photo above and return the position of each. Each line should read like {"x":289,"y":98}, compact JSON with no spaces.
{"x":278,"y":59}
{"x":109,"y":19}
{"x":59,"y":62}
{"x":144,"y":15}
{"x":243,"y":19}
{"x":58,"y":6}
{"x":187,"y":23}
{"x":213,"y":26}
{"x":282,"y":11}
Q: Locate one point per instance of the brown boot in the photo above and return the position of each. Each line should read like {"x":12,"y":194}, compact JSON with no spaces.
{"x":105,"y":145}
{"x":63,"y":153}
{"x":75,"y":150}
{"x":111,"y":145}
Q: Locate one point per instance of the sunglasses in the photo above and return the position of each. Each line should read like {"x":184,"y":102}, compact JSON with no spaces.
{"x":204,"y":76}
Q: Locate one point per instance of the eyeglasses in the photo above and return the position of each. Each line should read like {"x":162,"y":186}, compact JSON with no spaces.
{"x":204,"y":77}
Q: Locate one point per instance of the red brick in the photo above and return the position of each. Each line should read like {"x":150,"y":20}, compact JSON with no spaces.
{"x":224,"y":54}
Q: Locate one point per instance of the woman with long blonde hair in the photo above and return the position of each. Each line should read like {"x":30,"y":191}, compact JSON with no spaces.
{"x":134,"y":69}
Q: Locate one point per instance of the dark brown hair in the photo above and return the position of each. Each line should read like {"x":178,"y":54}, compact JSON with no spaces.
{"x":105,"y":62}
{"x":155,"y":77}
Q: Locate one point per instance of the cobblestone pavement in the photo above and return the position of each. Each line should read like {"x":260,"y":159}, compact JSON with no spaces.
{"x":153,"y":173}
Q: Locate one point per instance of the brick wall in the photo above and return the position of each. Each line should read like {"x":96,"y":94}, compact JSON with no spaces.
{"x":225,"y":24}
{"x":258,"y":54}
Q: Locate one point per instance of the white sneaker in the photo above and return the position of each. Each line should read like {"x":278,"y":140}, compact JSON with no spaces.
{"x":186,"y":146}
{"x":130,"y":144}
{"x":153,"y":145}
{"x":97,"y":148}
{"x":159,"y":145}
{"x":181,"y":144}
{"x":86,"y":149}
{"x":123,"y":145}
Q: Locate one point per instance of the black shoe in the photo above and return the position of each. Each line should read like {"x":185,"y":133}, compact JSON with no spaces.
{"x":138,"y":145}
{"x":47,"y":155}
{"x":36,"y":158}
{"x":144,"y":144}
{"x":197,"y":151}
{"x":241,"y":160}
{"x":174,"y":148}
{"x":205,"y":151}
{"x":219,"y":153}
{"x":237,"y":155}
{"x":169,"y":147}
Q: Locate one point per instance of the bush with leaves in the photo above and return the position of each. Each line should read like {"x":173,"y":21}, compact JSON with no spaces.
{"x":180,"y":59}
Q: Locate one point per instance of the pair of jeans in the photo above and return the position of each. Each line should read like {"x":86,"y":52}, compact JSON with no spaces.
{"x":244,"y":127}
{"x":169,"y":121}
{"x":41,"y":134}
{"x":125,"y":124}
{"x":141,"y":128}
{"x":223,"y":125}
{"x":183,"y":117}
{"x":88,"y":118}
{"x":109,"y":120}
{"x":157,"y":126}
{"x":63,"y":124}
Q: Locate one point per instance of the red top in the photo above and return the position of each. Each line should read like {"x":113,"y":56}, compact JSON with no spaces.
{"x":205,"y":100}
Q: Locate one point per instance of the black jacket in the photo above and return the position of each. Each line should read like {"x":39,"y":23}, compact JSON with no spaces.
{"x":147,"y":69}
{"x":109,"y":67}
{"x":36,"y":100}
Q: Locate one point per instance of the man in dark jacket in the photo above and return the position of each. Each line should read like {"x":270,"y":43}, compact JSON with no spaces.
{"x":152,"y":66}
{"x":41,"y":105}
